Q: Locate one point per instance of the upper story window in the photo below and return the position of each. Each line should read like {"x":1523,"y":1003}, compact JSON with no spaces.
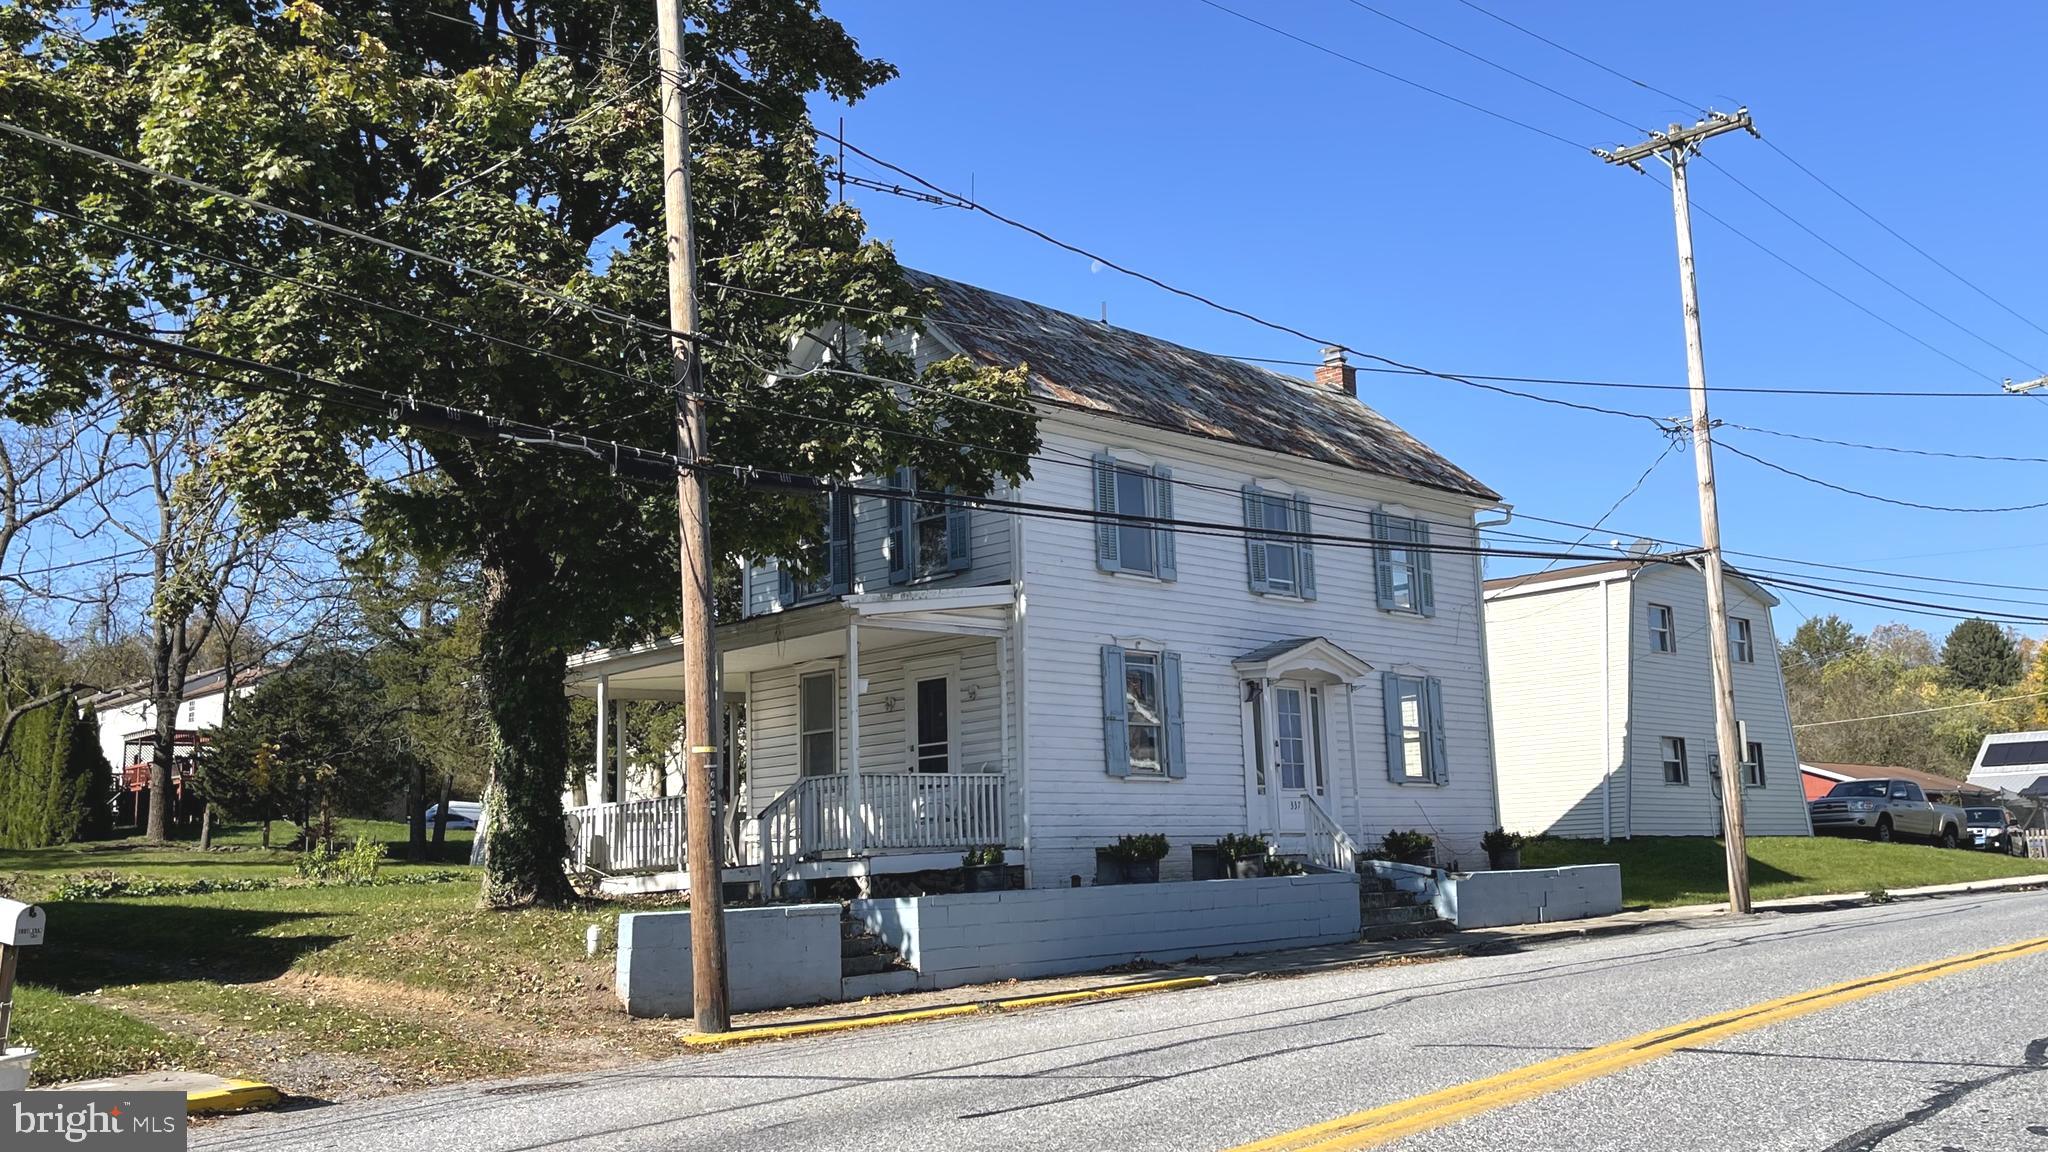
{"x":1753,"y":764}
{"x":1281,"y":561}
{"x":1133,"y":501}
{"x":1741,"y":646}
{"x":1663,"y":629}
{"x":831,"y":572}
{"x":928,"y":537}
{"x":1402,"y":575}
{"x":1672,"y":749}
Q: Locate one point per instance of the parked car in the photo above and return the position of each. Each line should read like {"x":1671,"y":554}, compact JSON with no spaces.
{"x":1886,"y":810}
{"x":462,"y":814}
{"x":1992,"y":829}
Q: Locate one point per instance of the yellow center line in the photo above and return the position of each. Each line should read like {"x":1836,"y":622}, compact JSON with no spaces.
{"x":1389,"y":1122}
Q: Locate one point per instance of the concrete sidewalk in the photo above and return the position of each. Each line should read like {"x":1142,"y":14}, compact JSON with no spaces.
{"x":1144,"y":978}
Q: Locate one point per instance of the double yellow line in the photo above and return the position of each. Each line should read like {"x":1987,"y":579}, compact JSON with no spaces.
{"x":1390,"y":1122}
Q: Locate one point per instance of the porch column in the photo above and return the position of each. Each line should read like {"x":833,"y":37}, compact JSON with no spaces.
{"x":604,"y":708}
{"x":619,"y":748}
{"x":856,"y":827}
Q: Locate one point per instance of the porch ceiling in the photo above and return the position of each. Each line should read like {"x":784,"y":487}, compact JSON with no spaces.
{"x":654,"y":671}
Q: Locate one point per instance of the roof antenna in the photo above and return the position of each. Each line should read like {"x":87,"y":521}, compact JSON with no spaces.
{"x":1105,"y":313}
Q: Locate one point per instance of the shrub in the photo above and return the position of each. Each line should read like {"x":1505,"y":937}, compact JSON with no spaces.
{"x":52,"y":777}
{"x":357,"y":864}
{"x":1141,"y":848}
{"x":991,"y":856}
{"x":1285,"y":866}
{"x":1500,"y":840}
{"x":1238,"y":846}
{"x":1407,"y":845}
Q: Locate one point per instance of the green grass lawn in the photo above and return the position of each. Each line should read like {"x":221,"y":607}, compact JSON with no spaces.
{"x":30,"y":873}
{"x":1664,"y":871}
{"x":413,"y":978}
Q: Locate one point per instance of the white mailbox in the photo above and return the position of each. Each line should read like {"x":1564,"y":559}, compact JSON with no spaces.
{"x":21,"y":924}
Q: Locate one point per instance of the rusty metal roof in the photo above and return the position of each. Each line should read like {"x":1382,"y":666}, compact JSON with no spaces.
{"x":1094,"y":367}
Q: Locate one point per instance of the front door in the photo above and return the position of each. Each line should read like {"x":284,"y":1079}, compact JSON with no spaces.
{"x":1293,"y":763}
{"x":931,"y":723}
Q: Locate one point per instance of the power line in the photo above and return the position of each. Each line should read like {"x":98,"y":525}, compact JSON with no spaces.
{"x":1923,"y":711}
{"x":1797,"y":475}
{"x":1884,"y":447}
{"x":1587,"y":59}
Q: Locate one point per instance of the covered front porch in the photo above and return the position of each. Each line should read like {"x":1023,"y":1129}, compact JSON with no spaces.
{"x":864,"y":735}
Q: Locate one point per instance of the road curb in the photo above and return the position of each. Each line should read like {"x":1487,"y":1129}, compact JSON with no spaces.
{"x":713,"y":1040}
{"x":232,"y":1096}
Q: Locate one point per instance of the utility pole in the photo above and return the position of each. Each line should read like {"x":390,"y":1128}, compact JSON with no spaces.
{"x":1675,"y":147}
{"x":693,"y":510}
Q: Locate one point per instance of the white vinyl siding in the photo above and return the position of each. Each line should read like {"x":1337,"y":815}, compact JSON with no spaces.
{"x":1545,"y":652}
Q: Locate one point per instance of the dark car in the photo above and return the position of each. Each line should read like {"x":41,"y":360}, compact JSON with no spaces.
{"x":1992,"y":829}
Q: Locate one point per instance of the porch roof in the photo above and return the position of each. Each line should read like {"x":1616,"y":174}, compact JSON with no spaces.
{"x":1299,"y":656}
{"x":654,"y":670}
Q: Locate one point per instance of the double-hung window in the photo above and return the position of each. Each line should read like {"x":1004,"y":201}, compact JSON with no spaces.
{"x":817,"y":723}
{"x":1741,"y":644}
{"x":1277,"y":551}
{"x":829,"y":571}
{"x":1673,"y":751}
{"x":1402,"y":577}
{"x":927,"y":537}
{"x":1414,"y":716}
{"x":1753,"y":764}
{"x":1134,"y":507}
{"x":1142,"y":733}
{"x":1663,"y":630}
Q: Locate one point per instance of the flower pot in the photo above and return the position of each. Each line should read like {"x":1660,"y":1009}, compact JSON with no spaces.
{"x":987,"y":878}
{"x":1108,"y":869}
{"x":1141,"y":871}
{"x":1506,"y":860}
{"x":14,"y":1064}
{"x":1246,"y":868}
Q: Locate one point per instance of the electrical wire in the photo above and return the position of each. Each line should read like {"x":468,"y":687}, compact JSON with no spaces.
{"x":1797,"y":475}
{"x":1588,"y":59}
{"x":1923,"y":711}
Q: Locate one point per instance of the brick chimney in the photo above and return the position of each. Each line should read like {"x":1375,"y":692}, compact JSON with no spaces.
{"x":1336,"y":375}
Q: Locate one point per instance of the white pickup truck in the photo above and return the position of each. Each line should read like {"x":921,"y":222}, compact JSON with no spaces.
{"x":1886,"y":810}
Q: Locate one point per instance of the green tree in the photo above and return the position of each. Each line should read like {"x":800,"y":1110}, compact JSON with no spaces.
{"x":313,"y":741}
{"x":532,"y":154}
{"x":1978,"y":654}
{"x":54,"y":782}
{"x":1817,"y":643}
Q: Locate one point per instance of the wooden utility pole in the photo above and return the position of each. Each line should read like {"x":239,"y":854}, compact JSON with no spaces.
{"x":1675,"y":147}
{"x":700,"y":660}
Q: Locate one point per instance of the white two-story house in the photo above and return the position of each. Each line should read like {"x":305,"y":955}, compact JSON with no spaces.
{"x":1259,"y":613}
{"x":1603,"y":690}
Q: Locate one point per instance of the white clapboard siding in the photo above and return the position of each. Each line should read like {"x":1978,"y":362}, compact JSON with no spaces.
{"x":1210,"y":617}
{"x":1555,"y":753}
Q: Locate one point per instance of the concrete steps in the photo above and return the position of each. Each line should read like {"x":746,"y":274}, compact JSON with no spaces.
{"x":1387,"y":912}
{"x":866,"y":960}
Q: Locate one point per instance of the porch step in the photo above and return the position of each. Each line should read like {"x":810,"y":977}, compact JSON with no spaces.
{"x":869,"y":964}
{"x":1401,"y":914}
{"x":1371,"y":900}
{"x":1430,"y":926}
{"x":864,"y":955}
{"x":887,"y":983}
{"x":862,"y":945}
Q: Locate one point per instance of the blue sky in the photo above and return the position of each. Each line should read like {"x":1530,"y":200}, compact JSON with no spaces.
{"x":1226,"y":159}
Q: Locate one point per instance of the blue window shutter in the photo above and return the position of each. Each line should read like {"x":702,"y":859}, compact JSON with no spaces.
{"x":959,"y":538}
{"x":1383,"y":563}
{"x":785,"y":588}
{"x":1304,"y":550}
{"x":1425,"y":581}
{"x":1105,"y":503}
{"x":900,"y":559}
{"x":1176,"y":729}
{"x":1116,"y":740}
{"x":1439,"y":763}
{"x":1162,"y":507}
{"x":1390,"y":685}
{"x":840,"y":537}
{"x":1255,"y":539}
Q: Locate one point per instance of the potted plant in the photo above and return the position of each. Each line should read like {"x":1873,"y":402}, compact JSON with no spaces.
{"x":1244,"y":857}
{"x":983,"y":868}
{"x":1409,"y":847}
{"x":1503,"y":849}
{"x":1138,"y":856}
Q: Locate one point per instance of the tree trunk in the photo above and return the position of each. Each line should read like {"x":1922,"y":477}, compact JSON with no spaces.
{"x":441,"y":814}
{"x":163,"y":761}
{"x":416,"y":813}
{"x":522,"y":671}
{"x":206,"y":827}
{"x":266,"y":829}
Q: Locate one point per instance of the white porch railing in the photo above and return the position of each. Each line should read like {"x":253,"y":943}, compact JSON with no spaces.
{"x":639,"y":835}
{"x":1329,"y":846}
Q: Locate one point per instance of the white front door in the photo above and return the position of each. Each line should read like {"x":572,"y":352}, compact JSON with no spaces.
{"x":934,"y":721}
{"x":1292,"y":750}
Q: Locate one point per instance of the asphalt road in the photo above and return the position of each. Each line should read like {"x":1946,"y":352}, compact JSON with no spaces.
{"x":1955,"y":1061}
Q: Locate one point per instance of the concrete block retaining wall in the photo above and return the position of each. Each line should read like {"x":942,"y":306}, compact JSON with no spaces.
{"x":1530,"y":895}
{"x":975,"y":937}
{"x":777,"y":957}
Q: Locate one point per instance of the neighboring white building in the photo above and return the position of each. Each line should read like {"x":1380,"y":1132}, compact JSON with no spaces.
{"x":127,"y":719}
{"x":2014,"y":762}
{"x":1603,"y":703}
{"x":1050,"y":684}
